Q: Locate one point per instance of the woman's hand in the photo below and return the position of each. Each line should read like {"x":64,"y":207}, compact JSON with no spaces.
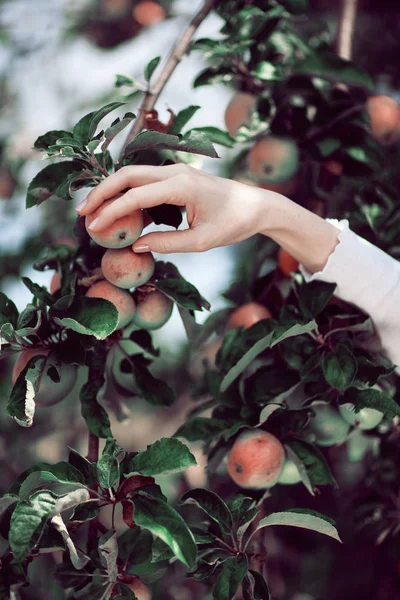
{"x":219,"y":211}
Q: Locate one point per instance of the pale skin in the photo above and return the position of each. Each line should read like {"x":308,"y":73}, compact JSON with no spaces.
{"x":219,"y":212}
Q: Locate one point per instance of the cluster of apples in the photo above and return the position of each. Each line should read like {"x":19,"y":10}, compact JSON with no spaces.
{"x":123,"y":270}
{"x":273,"y":162}
{"x":257,"y":459}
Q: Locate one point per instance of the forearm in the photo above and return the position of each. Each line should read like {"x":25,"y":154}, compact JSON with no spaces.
{"x":307,"y":237}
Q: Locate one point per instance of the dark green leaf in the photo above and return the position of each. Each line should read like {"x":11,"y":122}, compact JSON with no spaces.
{"x":108,"y":551}
{"x":194,"y":142}
{"x":85,"y":129}
{"x":38,"y":291}
{"x":151,"y":67}
{"x":255,"y":587}
{"x":182,"y":118}
{"x":43,"y":142}
{"x":94,"y":414}
{"x":135,"y":545}
{"x":47,"y":184}
{"x":155,"y":391}
{"x":212,"y":504}
{"x":108,"y":470}
{"x":167,"y":455}
{"x":328,"y":65}
{"x":183,"y":293}
{"x":84,"y":512}
{"x":313,"y":468}
{"x":26,"y":519}
{"x":21,"y":404}
{"x":372,"y":398}
{"x":163,"y":521}
{"x":91,"y":316}
{"x":228,"y":581}
{"x":212,"y":75}
{"x":339,"y":367}
{"x":217,"y":136}
{"x":8,"y":311}
{"x":201,"y":429}
{"x":301,"y":518}
{"x":314,"y":296}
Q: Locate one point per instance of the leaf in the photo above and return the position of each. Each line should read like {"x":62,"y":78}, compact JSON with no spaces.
{"x":311,"y":463}
{"x":47,"y":183}
{"x":255,"y":587}
{"x":269,"y":341}
{"x":121,"y":80}
{"x":182,"y":118}
{"x":26,"y":519}
{"x":328,"y":65}
{"x":81,"y":464}
{"x":314,"y":296}
{"x":77,"y":558}
{"x":163,"y":521}
{"x":304,"y":519}
{"x":155,"y":391}
{"x":371,"y":398}
{"x":183,"y":293}
{"x":38,"y":291}
{"x":43,"y":142}
{"x":143,"y":339}
{"x":8,"y":311}
{"x":201,"y":429}
{"x":29,"y":320}
{"x":108,"y":469}
{"x":213,"y":75}
{"x":135,"y":545}
{"x":60,"y":473}
{"x":114,"y":130}
{"x":21,"y":404}
{"x":84,"y":512}
{"x":6,"y":501}
{"x":94,"y":414}
{"x":86,"y":127}
{"x":339,"y":367}
{"x":91,"y":316}
{"x":228,"y":581}
{"x":166,"y":456}
{"x":108,"y":551}
{"x":217,"y":136}
{"x":196,"y":143}
{"x":212,"y":505}
{"x":151,"y":67}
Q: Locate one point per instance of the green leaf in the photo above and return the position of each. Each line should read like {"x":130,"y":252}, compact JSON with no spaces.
{"x":311,"y":463}
{"x":115,"y":129}
{"x":165,"y":456}
{"x":38,"y":291}
{"x":182,"y":118}
{"x":94,"y":414}
{"x":21,"y":404}
{"x":183,"y":293}
{"x":163,"y":521}
{"x":43,"y":142}
{"x":328,"y":65}
{"x":84,"y":512}
{"x":201,"y":429}
{"x":6,"y":501}
{"x":371,"y":398}
{"x":212,"y":504}
{"x":314,"y":296}
{"x":47,"y":184}
{"x":91,"y":316}
{"x":304,"y":519}
{"x":29,"y":320}
{"x":155,"y":391}
{"x":217,"y":136}
{"x":61,"y":472}
{"x":195,"y":142}
{"x":108,"y":469}
{"x":121,"y":80}
{"x":266,"y":71}
{"x":269,"y":341}
{"x":26,"y":519}
{"x":339,"y":367}
{"x":86,"y":127}
{"x":151,"y":67}
{"x":135,"y":545}
{"x":213,"y":75}
{"x":108,"y":551}
{"x":255,"y":587}
{"x":233,"y":572}
{"x":8,"y":311}
{"x":81,"y":464}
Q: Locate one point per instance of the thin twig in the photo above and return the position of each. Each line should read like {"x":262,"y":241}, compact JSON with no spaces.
{"x":177,"y":53}
{"x":346,"y":28}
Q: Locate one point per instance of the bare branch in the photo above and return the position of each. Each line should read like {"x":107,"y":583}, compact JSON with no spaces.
{"x":346,"y":28}
{"x":177,"y":53}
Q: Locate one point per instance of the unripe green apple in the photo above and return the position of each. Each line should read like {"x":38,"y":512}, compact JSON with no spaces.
{"x":327,"y":426}
{"x":366,"y":418}
{"x":290,"y":473}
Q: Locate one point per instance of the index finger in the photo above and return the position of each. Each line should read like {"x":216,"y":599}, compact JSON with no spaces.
{"x":128,"y":177}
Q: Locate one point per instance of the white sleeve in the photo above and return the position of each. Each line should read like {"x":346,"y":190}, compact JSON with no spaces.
{"x":369,"y":278}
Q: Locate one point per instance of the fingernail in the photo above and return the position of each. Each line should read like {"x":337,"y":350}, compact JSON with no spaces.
{"x":141,"y":248}
{"x":81,"y":205}
{"x":94,"y":223}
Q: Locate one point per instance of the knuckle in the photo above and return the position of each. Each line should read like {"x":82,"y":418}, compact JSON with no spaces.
{"x":164,"y":247}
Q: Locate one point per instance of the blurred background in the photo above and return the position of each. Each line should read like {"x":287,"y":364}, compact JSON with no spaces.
{"x":58,"y":61}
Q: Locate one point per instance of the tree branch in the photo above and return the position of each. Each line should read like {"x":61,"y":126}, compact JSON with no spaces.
{"x":177,"y":53}
{"x":346,"y":28}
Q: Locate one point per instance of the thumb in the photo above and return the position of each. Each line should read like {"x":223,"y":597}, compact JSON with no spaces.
{"x":167,"y":242}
